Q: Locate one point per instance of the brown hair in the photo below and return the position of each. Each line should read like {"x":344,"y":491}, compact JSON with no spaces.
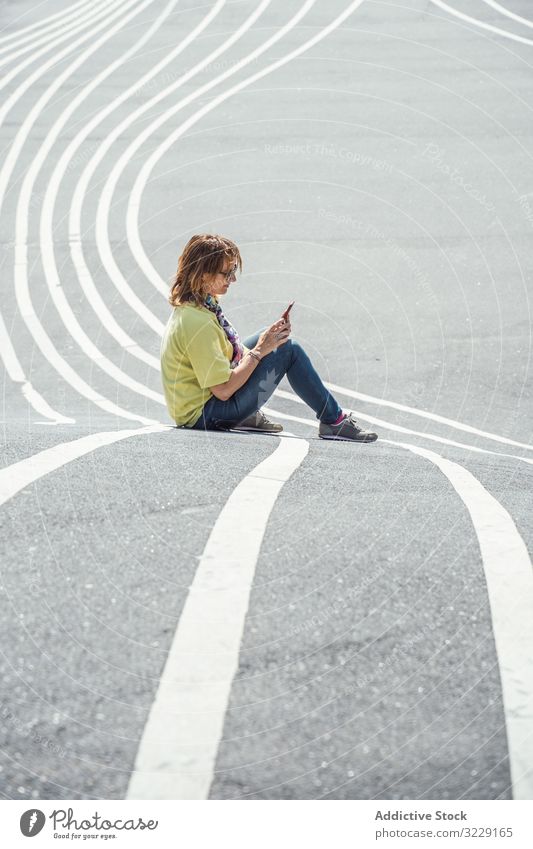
{"x":203,"y":254}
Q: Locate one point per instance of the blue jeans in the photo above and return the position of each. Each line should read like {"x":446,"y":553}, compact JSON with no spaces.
{"x":289,"y":359}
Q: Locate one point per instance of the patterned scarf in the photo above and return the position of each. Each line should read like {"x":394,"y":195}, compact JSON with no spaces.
{"x":238,"y":351}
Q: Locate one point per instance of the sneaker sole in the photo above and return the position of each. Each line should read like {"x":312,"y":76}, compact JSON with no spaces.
{"x":256,"y":430}
{"x":347,"y":438}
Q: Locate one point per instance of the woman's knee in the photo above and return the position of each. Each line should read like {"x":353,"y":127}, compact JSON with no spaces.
{"x":293,"y":349}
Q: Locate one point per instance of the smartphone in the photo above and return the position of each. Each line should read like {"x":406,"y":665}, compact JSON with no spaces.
{"x":285,"y":315}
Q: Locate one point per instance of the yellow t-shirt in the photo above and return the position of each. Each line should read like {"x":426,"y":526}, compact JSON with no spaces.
{"x":195,"y":354}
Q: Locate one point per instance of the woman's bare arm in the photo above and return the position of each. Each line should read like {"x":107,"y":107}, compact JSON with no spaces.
{"x":237,"y":378}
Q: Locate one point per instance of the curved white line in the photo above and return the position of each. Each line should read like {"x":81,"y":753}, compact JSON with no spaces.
{"x":509,"y":575}
{"x":53,"y":280}
{"x":417,"y":412}
{"x":19,"y":475}
{"x":43,"y":21}
{"x":21,"y":284}
{"x":63,"y":29}
{"x":134,"y":200}
{"x":508,"y":13}
{"x":361,"y":396}
{"x":228,"y":565}
{"x":7,"y":350}
{"x":81,"y":188}
{"x":178,"y":747}
{"x":52,"y":276}
{"x":105,"y":199}
{"x":136,"y":247}
{"x":150,"y":272}
{"x":481,"y":24}
{"x":99,"y":11}
{"x":390,"y":426}
{"x":432,"y":416}
{"x":428,"y":415}
{"x":104,"y":204}
{"x":16,"y":374}
{"x":57,"y":293}
{"x":24,"y":86}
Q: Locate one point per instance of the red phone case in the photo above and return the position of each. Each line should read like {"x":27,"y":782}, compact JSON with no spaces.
{"x":285,"y":314}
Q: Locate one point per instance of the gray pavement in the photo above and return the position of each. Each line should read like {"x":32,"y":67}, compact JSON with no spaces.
{"x":377,"y":180}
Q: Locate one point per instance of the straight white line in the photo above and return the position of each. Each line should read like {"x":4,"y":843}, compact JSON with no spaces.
{"x":178,"y":748}
{"x":509,"y":576}
{"x":18,"y":475}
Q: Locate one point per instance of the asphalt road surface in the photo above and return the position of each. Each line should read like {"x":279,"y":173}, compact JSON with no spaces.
{"x":373,"y":162}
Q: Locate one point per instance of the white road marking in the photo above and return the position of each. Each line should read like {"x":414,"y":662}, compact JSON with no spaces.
{"x":98,"y":11}
{"x":74,"y":225}
{"x":435,"y":417}
{"x":40,"y":24}
{"x":51,"y":272}
{"x":53,"y":280}
{"x":84,"y":274}
{"x":509,"y":576}
{"x":508,"y":13}
{"x":64,"y":29}
{"x":7,"y":351}
{"x":481,"y":24}
{"x":18,"y":475}
{"x":105,"y":200}
{"x":389,"y":426}
{"x":16,"y":374}
{"x":496,"y":531}
{"x":21,"y":281}
{"x":178,"y":748}
{"x":135,"y":195}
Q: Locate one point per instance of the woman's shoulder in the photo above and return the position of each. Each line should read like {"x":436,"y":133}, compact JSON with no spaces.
{"x":191,"y":310}
{"x":191,"y":315}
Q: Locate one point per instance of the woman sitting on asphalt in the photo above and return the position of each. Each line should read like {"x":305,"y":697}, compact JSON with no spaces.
{"x":212,"y":380}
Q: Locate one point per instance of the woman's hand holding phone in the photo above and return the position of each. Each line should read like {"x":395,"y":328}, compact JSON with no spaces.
{"x":275,"y":335}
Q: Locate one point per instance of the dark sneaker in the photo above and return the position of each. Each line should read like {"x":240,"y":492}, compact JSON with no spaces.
{"x":258,"y":421}
{"x":347,"y":430}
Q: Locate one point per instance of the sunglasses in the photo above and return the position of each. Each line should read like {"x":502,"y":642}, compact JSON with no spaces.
{"x":229,"y":274}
